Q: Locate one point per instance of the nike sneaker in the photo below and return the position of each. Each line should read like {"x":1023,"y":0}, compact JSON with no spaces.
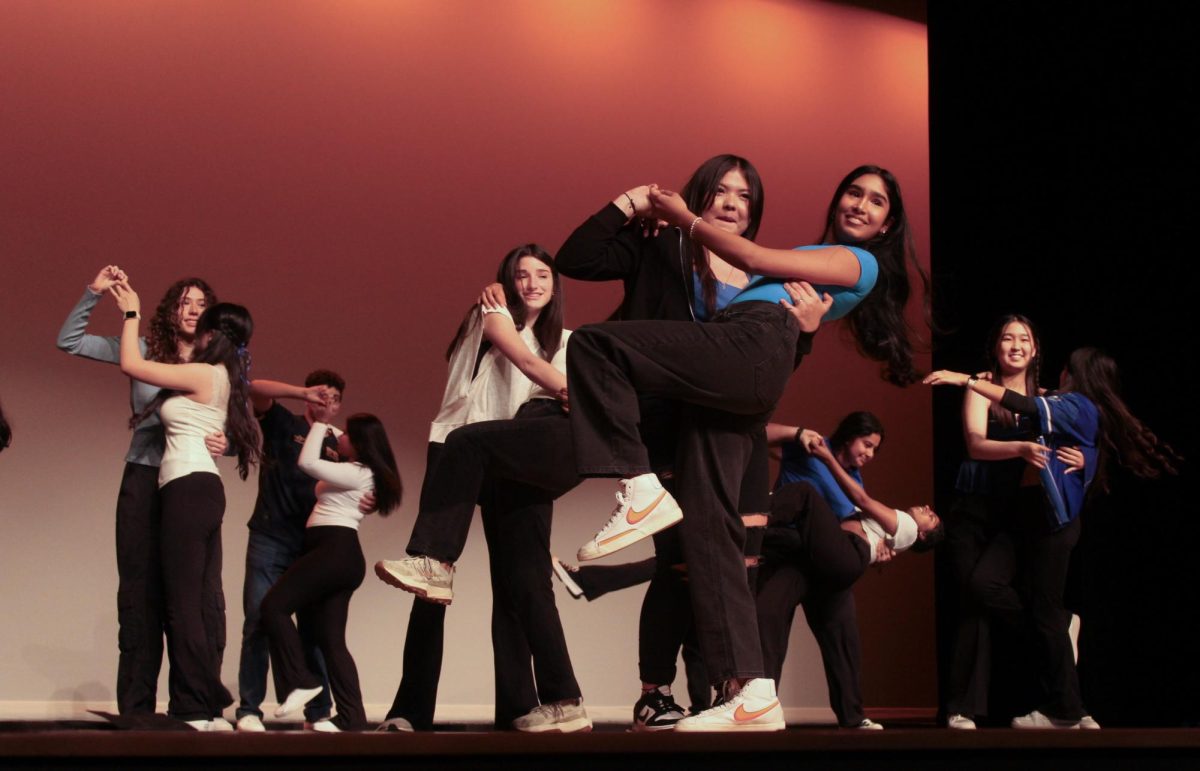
{"x":754,"y":708}
{"x":644,"y":507}
{"x":656,"y":710}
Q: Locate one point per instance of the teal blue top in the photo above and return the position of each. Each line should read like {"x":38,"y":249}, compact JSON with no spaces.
{"x":845,"y":298}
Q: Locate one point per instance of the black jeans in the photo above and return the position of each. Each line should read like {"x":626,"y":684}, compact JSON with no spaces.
{"x":729,"y":374}
{"x":1021,"y":578}
{"x":317,"y":588}
{"x":192,"y":509}
{"x":475,"y":465}
{"x":809,"y":560}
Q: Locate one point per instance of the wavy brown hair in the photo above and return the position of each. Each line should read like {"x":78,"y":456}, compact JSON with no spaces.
{"x":162,"y":343}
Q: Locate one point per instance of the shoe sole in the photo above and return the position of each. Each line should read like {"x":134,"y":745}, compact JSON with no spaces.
{"x":425,"y":592}
{"x":759,"y":727}
{"x":564,"y":575}
{"x":642,"y":728}
{"x":667,"y":515}
{"x":580,"y":725}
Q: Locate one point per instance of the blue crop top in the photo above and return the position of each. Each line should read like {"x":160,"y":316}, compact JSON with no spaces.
{"x":725,"y":295}
{"x":845,"y":298}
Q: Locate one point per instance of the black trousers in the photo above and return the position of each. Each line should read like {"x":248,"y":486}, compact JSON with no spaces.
{"x":476,"y":465}
{"x":317,"y":589}
{"x":729,"y":374}
{"x":1020,"y":579}
{"x":193,"y":507}
{"x":809,"y":560}
{"x":972,"y":524}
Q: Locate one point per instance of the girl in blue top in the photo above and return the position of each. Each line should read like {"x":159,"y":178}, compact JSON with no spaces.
{"x":729,"y":374}
{"x":1087,"y":411}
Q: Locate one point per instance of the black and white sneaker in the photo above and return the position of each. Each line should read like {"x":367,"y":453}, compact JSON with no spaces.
{"x":563,"y":572}
{"x":656,"y":711}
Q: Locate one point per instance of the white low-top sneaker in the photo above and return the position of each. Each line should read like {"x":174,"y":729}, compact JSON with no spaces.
{"x":426,"y":577}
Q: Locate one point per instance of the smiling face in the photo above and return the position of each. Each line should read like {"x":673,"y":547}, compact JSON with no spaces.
{"x":925,"y":518}
{"x":863,"y":211}
{"x":535,"y":283}
{"x":1016,"y":349}
{"x":730,"y":207}
{"x":859,"y":452}
{"x":191,"y":304}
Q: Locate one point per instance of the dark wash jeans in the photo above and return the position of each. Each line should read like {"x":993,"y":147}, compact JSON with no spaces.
{"x":728,"y":374}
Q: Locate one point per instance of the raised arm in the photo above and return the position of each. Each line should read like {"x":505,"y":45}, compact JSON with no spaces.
{"x":975,"y":408}
{"x":499,"y":329}
{"x":881,"y":513}
{"x":73,"y":337}
{"x":194,"y":379}
{"x":263,"y":392}
{"x":603,"y":248}
{"x":347,"y":476}
{"x":834,"y":265}
{"x":778,"y":433}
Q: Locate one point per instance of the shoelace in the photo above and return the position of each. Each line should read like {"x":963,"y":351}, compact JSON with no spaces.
{"x":623,"y":501}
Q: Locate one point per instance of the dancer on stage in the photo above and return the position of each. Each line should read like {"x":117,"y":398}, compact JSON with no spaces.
{"x":206,"y":395}
{"x":140,"y":616}
{"x":318,"y":586}
{"x":730,"y":373}
{"x":507,"y":360}
{"x":824,"y":532}
{"x":1088,"y":412}
{"x":286,"y":497}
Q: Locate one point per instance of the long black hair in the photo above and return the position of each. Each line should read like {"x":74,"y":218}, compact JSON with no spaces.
{"x":877,"y":323}
{"x":162,"y":342}
{"x":548,"y":327}
{"x":222,"y":334}
{"x":370,"y":442}
{"x":1032,"y":374}
{"x":1123,"y":437}
{"x":853,"y":426}
{"x":698,"y":193}
{"x":5,"y":430}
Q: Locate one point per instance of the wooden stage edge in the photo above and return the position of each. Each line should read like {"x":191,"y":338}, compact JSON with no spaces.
{"x":53,"y":745}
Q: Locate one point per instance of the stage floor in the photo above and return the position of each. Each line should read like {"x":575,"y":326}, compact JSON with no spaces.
{"x":78,"y":744}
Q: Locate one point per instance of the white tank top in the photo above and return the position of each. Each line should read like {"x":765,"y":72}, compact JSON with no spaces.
{"x":187,"y":423}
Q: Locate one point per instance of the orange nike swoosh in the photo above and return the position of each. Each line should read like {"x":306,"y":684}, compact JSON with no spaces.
{"x":740,"y":714}
{"x":634,"y":516}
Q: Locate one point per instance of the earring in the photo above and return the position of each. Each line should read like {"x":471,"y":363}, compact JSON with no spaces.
{"x":883,"y":231}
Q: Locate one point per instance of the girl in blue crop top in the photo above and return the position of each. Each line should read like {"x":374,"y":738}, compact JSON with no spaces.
{"x":729,"y":374}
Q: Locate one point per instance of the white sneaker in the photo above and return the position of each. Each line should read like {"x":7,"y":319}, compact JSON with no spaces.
{"x":1088,"y":723}
{"x":754,"y":708}
{"x":250,"y":724}
{"x":216,"y":724}
{"x":322,"y":726}
{"x":868,"y":724}
{"x":425,"y":577}
{"x":1036,"y":719}
{"x":296,"y":699}
{"x":563,"y":571}
{"x":564,"y":717}
{"x":395,"y":724}
{"x":960,"y":722}
{"x":644,"y":508}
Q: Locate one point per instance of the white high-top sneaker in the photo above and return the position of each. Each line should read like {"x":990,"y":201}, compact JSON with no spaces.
{"x":644,"y":507}
{"x":754,"y":708}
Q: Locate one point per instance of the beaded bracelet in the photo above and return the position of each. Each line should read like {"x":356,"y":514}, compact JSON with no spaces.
{"x":692,"y":229}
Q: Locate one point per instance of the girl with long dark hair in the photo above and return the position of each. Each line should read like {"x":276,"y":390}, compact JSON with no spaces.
{"x":140,"y":615}
{"x":1086,"y":412}
{"x":729,"y":374}
{"x":208,"y":394}
{"x":318,"y":585}
{"x":498,"y":371}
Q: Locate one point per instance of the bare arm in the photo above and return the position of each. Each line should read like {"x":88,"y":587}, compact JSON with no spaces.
{"x":884,"y":515}
{"x":193,"y":379}
{"x":835,"y":265}
{"x":499,"y":329}
{"x":263,"y":392}
{"x":975,"y":408}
